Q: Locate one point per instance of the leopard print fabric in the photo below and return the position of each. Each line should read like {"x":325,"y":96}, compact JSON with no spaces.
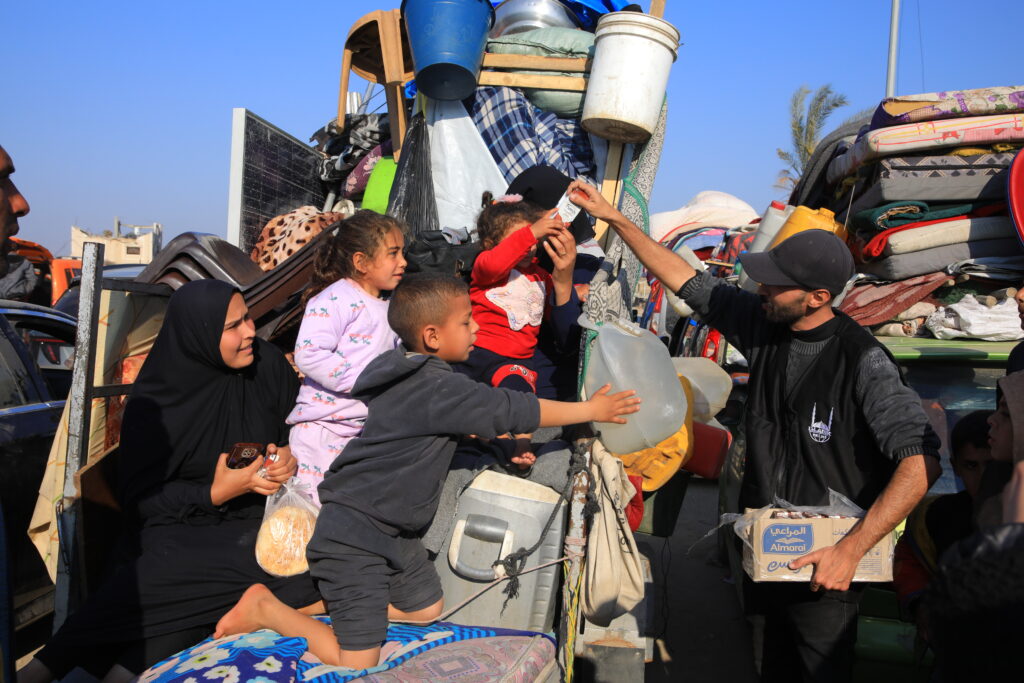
{"x":285,"y":234}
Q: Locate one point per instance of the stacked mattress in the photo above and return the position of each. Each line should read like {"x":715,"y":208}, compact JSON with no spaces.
{"x":921,"y":156}
{"x":923,"y":191}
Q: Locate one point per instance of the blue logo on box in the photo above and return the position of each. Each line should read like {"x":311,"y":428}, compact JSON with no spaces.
{"x":788,"y":539}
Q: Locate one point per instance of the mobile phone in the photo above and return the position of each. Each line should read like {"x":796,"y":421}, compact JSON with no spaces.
{"x":243,"y":454}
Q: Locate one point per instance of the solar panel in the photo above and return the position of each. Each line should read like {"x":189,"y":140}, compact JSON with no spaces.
{"x":271,"y":173}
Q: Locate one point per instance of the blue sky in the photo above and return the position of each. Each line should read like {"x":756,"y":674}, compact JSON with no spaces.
{"x":124,"y":108}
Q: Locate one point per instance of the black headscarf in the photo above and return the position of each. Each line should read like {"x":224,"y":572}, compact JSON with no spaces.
{"x":544,"y":186}
{"x":187,"y":406}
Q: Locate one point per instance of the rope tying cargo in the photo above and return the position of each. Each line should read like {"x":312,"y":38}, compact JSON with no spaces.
{"x":511,"y":566}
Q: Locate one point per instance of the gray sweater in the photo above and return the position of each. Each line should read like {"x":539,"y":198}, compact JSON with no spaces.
{"x":418,"y":410}
{"x":892,"y":409}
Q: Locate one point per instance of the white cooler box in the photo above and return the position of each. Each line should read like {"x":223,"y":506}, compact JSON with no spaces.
{"x":499,"y":514}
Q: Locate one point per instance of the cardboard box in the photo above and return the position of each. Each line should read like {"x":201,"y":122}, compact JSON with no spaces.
{"x":776,"y":542}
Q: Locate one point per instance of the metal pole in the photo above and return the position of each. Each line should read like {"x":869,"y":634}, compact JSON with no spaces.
{"x":79,"y":406}
{"x":894,"y":40}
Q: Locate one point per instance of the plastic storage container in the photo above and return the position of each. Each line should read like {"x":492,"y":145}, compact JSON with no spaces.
{"x":499,"y":514}
{"x":771,"y":222}
{"x":633,"y":53}
{"x":447,"y":39}
{"x":804,"y":218}
{"x":627,"y":357}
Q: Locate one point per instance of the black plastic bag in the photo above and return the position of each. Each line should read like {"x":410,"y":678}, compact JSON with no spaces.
{"x":412,"y":193}
{"x":430,"y":252}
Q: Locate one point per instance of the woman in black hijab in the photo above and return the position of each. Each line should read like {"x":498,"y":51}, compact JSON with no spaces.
{"x":207,"y":384}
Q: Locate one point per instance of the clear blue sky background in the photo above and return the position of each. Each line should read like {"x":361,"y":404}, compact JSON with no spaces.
{"x":124,"y":108}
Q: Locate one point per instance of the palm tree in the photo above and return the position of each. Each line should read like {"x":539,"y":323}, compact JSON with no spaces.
{"x":806,"y":128}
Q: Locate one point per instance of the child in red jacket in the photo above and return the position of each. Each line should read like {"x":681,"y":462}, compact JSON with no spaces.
{"x":512,"y":295}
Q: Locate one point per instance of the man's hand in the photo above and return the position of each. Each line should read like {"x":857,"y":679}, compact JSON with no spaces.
{"x":834,"y":567}
{"x":590,"y":199}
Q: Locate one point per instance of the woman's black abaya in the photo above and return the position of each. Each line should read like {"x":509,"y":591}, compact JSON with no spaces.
{"x":194,"y":559}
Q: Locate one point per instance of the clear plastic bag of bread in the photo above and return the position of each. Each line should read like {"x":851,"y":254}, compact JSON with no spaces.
{"x":288,"y":523}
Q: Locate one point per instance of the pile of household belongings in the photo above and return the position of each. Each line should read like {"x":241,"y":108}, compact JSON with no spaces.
{"x":716,"y":227}
{"x":921,"y":190}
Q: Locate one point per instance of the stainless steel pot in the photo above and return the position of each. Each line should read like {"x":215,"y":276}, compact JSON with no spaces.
{"x":516,"y":16}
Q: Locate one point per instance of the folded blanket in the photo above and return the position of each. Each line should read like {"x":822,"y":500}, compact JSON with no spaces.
{"x":913,"y":137}
{"x":949,"y":104}
{"x":903,"y":266}
{"x":928,"y":234}
{"x":1005,"y":268}
{"x":870,"y":304}
{"x":869,"y":222}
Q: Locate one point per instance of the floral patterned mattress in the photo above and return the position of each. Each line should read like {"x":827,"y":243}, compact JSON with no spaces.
{"x":440,"y":652}
{"x":922,"y":137}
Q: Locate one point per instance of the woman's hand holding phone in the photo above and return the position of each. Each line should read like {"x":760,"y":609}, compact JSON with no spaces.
{"x":231,"y":483}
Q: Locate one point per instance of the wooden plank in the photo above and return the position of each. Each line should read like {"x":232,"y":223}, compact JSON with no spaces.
{"x":536,"y":63}
{"x":611,"y":187}
{"x":511,"y":80}
{"x":657,"y":8}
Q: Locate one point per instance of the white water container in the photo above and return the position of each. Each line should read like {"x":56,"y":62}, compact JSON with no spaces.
{"x":711,"y":386}
{"x":633,"y":54}
{"x":627,"y":357}
{"x":772,"y":221}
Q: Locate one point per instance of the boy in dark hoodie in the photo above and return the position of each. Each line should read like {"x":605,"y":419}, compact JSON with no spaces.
{"x":383,"y":489}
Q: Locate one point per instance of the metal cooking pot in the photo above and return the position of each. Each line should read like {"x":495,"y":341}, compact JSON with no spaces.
{"x":516,"y":16}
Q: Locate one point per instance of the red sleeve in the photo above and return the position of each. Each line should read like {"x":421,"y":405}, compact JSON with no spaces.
{"x":494,"y":264}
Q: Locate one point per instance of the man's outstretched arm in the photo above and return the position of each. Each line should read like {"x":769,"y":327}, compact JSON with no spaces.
{"x":660,"y":261}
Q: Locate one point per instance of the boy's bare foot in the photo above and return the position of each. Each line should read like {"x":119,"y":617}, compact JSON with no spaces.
{"x":244,"y":616}
{"x":523,"y":457}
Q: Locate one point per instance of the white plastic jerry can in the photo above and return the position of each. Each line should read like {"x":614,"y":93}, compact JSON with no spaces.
{"x":628,"y":357}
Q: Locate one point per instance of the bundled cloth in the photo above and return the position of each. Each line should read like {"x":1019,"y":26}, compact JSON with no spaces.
{"x":971,"y":319}
{"x":870,"y":304}
{"x":520,"y":136}
{"x":284,"y":235}
{"x":708,"y":208}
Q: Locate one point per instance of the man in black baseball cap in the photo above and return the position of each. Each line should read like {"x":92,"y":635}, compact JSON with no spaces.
{"x":827,"y":410}
{"x":797,"y":274}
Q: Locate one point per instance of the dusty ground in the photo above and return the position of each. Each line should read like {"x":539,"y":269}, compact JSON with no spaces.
{"x":707,"y":638}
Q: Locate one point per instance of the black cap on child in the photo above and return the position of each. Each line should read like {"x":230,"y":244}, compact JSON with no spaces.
{"x":812,"y":259}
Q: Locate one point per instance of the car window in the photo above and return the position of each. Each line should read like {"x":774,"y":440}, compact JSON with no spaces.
{"x":948,"y":392}
{"x":14,"y":377}
{"x":52,"y":347}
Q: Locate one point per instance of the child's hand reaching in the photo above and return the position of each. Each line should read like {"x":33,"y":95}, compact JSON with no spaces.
{"x":548,"y":226}
{"x":607,"y":407}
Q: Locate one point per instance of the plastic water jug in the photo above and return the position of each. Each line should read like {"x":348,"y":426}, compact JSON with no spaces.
{"x":711,"y":385}
{"x":628,"y":357}
{"x":771,"y":222}
{"x":805,"y":218}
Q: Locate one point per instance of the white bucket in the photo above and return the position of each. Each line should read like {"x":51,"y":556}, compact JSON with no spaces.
{"x":633,"y":54}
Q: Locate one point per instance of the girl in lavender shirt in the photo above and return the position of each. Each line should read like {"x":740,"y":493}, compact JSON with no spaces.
{"x":345,"y":326}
